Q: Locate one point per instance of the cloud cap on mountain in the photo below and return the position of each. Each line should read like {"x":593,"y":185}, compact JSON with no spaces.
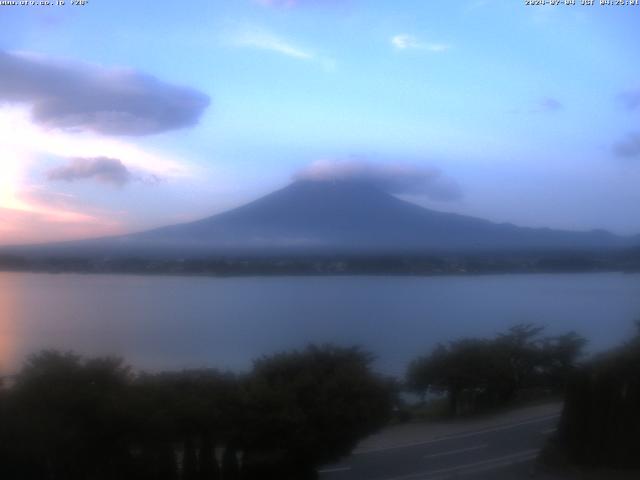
{"x":394,"y":178}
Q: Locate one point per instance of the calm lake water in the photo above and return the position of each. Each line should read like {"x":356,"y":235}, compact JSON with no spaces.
{"x":177,"y":322}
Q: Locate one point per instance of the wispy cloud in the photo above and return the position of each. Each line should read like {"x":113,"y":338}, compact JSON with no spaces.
{"x":265,"y":40}
{"x":262,"y":39}
{"x":405,"y":41}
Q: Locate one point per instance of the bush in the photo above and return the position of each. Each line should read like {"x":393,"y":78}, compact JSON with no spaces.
{"x":478,"y":374}
{"x":67,"y":418}
{"x":600,"y":424}
{"x":312,"y":407}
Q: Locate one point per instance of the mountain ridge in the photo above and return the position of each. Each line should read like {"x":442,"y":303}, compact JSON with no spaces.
{"x":317,"y":216}
{"x":350,"y":213}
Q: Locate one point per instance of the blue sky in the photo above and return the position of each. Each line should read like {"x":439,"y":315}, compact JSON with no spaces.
{"x":533,"y":112}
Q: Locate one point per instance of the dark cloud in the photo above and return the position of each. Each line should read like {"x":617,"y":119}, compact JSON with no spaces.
{"x":550,"y":104}
{"x":630,"y":99}
{"x":102,"y":169}
{"x":393,"y":178}
{"x":629,"y":147}
{"x":107,"y":101}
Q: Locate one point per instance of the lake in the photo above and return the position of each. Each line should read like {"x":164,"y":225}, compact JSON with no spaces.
{"x":178,"y":322}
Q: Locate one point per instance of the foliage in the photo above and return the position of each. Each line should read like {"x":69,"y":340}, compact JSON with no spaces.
{"x":600,"y":424}
{"x":482,"y":373}
{"x":313,"y":406}
{"x":67,"y":418}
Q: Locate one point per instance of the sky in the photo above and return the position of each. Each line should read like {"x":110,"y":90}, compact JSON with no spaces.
{"x":118,"y":116}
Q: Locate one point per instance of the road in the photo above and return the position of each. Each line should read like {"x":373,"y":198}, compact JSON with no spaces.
{"x":499,"y":451}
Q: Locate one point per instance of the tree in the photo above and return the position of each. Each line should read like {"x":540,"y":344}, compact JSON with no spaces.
{"x":463,"y":369}
{"x":196,"y":409}
{"x":600,"y":422}
{"x":559,"y":358}
{"x":311,"y":407}
{"x":69,"y":418}
{"x":75,"y":419}
{"x":477,"y":373}
{"x":519,"y":358}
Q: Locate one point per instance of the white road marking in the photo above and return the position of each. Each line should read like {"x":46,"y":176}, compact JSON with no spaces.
{"x":470,"y":468}
{"x":458,"y":435}
{"x":334,"y":470}
{"x":459,"y":450}
{"x":548,"y":431}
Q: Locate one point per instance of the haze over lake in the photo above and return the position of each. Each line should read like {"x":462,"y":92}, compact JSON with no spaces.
{"x":178,"y":322}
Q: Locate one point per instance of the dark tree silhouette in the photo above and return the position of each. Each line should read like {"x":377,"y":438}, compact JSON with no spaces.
{"x":485,"y":373}
{"x":67,"y":418}
{"x":311,"y":407}
{"x":600,"y":423}
{"x":191,"y":409}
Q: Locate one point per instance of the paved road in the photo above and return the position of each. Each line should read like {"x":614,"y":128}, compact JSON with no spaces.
{"x":499,"y":452}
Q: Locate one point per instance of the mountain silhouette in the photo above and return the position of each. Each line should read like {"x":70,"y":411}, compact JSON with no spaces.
{"x":337,"y":216}
{"x":355,"y":215}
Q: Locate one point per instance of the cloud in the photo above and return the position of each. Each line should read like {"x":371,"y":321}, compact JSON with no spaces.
{"x":405,"y":42}
{"x":394,"y":178}
{"x":102,"y":169}
{"x":264,"y":40}
{"x":25,"y":143}
{"x":550,"y":104}
{"x":629,"y":147}
{"x":108,"y":101}
{"x":261,"y":39}
{"x":630,"y":99}
{"x":31,"y":212}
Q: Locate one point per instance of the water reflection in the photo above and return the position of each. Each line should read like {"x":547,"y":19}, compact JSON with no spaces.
{"x":8,"y":317}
